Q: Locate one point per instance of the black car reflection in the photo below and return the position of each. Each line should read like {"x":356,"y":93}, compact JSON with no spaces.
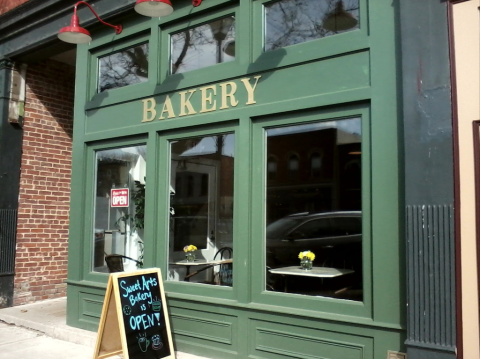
{"x":334,"y":237}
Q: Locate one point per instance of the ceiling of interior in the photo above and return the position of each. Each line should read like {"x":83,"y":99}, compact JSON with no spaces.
{"x":68,"y":57}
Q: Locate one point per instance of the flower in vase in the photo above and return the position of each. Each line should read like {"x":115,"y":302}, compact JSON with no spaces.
{"x":307,"y":255}
{"x":189,"y":248}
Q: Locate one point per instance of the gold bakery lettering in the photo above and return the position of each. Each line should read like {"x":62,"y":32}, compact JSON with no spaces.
{"x":208,"y":100}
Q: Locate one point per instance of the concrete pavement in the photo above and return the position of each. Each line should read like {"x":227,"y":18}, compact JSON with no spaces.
{"x":39,"y":331}
{"x":18,"y":343}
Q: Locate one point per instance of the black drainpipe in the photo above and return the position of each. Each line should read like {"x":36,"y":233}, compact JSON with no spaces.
{"x":10,"y":160}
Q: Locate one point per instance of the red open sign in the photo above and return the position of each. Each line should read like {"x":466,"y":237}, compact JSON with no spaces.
{"x":119,"y":197}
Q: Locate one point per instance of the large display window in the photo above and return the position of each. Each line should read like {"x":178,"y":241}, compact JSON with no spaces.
{"x":314,"y":209}
{"x":119,"y":209}
{"x":201,"y":209}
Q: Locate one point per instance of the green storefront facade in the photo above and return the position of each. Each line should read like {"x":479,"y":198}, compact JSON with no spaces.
{"x":341,"y":80}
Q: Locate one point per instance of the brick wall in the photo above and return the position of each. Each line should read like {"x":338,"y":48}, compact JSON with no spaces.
{"x":7,"y":5}
{"x":42,"y":232}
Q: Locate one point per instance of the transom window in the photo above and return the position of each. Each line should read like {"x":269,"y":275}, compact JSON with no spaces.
{"x":203,"y":46}
{"x":290,"y":22}
{"x":123,"y":68}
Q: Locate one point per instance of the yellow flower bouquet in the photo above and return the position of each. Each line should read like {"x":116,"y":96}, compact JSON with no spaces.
{"x":306,"y":259}
{"x":189,"y":252}
{"x":307,"y":254}
{"x":189,"y":248}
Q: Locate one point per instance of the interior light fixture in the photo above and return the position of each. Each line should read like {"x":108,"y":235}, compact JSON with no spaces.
{"x":154,"y":8}
{"x":75,"y":34}
{"x":339,"y":19}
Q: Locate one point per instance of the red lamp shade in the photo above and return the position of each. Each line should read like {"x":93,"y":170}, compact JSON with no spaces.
{"x":74,"y":34}
{"x":154,"y":8}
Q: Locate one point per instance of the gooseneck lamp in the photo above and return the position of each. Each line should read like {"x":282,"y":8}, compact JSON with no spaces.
{"x":157,"y":8}
{"x":75,"y":34}
{"x":154,"y":8}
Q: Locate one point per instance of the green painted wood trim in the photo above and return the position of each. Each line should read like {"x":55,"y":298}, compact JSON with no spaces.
{"x":386,"y":136}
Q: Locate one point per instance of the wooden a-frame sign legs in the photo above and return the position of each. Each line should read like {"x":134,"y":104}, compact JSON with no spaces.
{"x":108,"y":343}
{"x":134,"y":319}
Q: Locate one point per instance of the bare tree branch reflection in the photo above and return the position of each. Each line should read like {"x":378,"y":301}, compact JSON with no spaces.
{"x":197,"y":48}
{"x":124,"y":68}
{"x":291,"y":22}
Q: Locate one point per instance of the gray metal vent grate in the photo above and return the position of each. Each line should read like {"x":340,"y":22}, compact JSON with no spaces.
{"x":8,"y":226}
{"x":431,"y":271}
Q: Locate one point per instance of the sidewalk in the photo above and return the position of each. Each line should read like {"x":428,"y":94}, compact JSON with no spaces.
{"x":20,"y":343}
{"x":38,"y":330}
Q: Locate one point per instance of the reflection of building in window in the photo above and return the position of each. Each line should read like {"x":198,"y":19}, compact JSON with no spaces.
{"x":272,"y":168}
{"x":293,"y":166}
{"x":318,"y":178}
{"x":315,"y":164}
{"x":312,"y":173}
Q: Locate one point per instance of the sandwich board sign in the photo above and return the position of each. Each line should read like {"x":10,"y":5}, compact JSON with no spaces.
{"x":134,"y":319}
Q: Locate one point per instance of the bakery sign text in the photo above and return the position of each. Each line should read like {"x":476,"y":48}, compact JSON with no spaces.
{"x":206,"y":99}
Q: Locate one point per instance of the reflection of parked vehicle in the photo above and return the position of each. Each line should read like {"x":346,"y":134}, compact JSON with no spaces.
{"x":336,"y":240}
{"x":334,"y":237}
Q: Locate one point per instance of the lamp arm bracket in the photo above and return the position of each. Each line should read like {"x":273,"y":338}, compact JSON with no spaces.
{"x":118,"y":28}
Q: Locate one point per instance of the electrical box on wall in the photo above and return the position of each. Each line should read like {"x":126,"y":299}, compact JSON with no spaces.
{"x":16,"y":105}
{"x":396,"y":355}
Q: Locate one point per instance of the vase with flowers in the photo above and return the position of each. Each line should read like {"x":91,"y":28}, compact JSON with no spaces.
{"x":190,"y":252}
{"x":306,"y":259}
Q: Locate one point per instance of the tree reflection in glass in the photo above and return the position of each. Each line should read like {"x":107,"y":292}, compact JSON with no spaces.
{"x":203,"y":45}
{"x":290,"y":22}
{"x":123,"y":68}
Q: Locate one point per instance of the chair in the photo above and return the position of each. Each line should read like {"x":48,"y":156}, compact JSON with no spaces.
{"x":225,"y":271}
{"x":115,"y":262}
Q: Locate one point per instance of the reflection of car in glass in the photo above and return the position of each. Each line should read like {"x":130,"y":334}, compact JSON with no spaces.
{"x":334,"y":237}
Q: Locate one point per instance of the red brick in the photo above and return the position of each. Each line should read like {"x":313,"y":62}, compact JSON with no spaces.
{"x":42,"y":233}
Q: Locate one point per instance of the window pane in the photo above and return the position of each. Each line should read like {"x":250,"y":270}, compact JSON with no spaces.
{"x":321,"y":213}
{"x":290,"y":22}
{"x":123,"y":68}
{"x":119,"y":208}
{"x":203,"y":46}
{"x":201,"y":207}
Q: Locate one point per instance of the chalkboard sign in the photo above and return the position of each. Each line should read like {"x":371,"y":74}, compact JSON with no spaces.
{"x":135,"y":312}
